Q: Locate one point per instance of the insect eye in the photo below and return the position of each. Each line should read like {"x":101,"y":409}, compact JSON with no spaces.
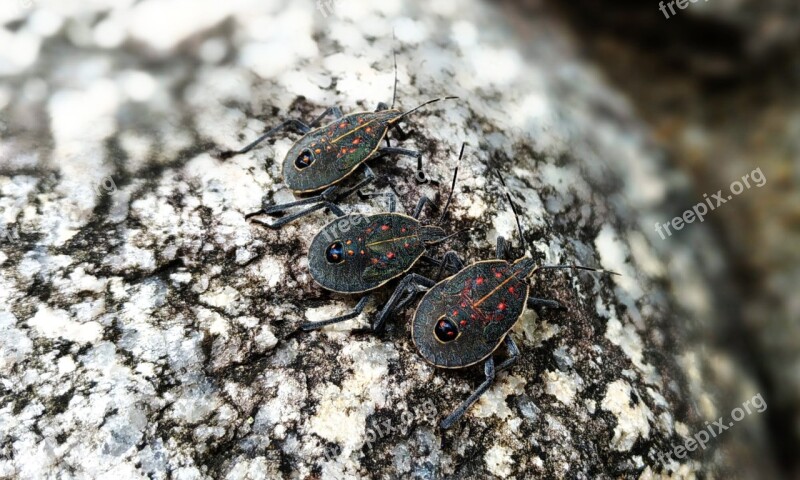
{"x":335,"y":253}
{"x":305,"y":159}
{"x":445,"y":330}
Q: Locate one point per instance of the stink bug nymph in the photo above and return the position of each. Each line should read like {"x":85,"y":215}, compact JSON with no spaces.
{"x":463,"y":319}
{"x":326,"y":155}
{"x":358,"y":254}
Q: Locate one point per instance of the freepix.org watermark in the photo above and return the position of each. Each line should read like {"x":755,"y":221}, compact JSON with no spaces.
{"x":714,"y":429}
{"x":682,"y":4}
{"x":699,"y":211}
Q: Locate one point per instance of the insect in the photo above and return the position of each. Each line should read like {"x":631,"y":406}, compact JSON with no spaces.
{"x":326,"y":155}
{"x":358,"y":254}
{"x":463,"y":319}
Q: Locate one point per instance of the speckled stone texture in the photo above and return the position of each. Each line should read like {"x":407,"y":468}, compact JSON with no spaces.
{"x":147,"y":330}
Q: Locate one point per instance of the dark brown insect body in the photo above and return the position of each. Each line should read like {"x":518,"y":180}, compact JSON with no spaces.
{"x":330,"y":153}
{"x":464,"y":318}
{"x":324,"y":156}
{"x":356,"y":253}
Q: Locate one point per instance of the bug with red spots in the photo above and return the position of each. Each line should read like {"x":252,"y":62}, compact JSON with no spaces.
{"x":357,"y":254}
{"x":325,"y":155}
{"x":463,"y":320}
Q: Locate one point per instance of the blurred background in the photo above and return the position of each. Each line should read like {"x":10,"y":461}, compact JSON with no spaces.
{"x":718,"y":85}
{"x":715,"y":83}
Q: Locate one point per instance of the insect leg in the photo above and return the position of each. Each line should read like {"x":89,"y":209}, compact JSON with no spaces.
{"x":335,"y":111}
{"x":430,"y":260}
{"x":400,"y":134}
{"x":513,"y":355}
{"x":451,"y":262}
{"x":420,"y":175}
{"x":489,"y":371}
{"x":391,"y":198}
{"x":537,"y":303}
{"x":406,"y":300}
{"x":342,"y":318}
{"x":369,"y":177}
{"x":297,"y":124}
{"x":420,"y":204}
{"x":285,"y":206}
{"x":318,"y":202}
{"x":502,"y":248}
{"x":410,"y":283}
{"x":290,"y":218}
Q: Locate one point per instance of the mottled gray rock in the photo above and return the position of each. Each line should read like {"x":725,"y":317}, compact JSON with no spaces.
{"x":148,"y":328}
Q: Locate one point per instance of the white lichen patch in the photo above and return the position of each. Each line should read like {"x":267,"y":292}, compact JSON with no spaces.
{"x":342,"y":411}
{"x":59,"y":324}
{"x":493,"y":402}
{"x":498,"y":461}
{"x":272,"y":270}
{"x":690,"y":362}
{"x":226,"y":298}
{"x":644,"y":256}
{"x":331,"y":310}
{"x":14,"y":343}
{"x":614,"y":256}
{"x":633,"y":416}
{"x":282,"y":407}
{"x":563,"y":387}
{"x":628,"y":339}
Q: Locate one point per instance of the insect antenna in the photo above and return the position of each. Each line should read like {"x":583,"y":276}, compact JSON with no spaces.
{"x":453,"y":185}
{"x":448,"y":237}
{"x":394,"y":52}
{"x":513,"y":209}
{"x":545,"y":267}
{"x":574,"y":267}
{"x":405,"y":114}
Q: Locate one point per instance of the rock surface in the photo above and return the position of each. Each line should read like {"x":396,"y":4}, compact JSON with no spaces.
{"x":148,"y":329}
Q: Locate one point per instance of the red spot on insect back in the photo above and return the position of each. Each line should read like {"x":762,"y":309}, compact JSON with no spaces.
{"x":479,"y":281}
{"x":356,"y":140}
{"x":501,"y":306}
{"x":511,"y":290}
{"x":390,"y":255}
{"x":385,"y":227}
{"x":498,"y":275}
{"x":463,"y":323}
